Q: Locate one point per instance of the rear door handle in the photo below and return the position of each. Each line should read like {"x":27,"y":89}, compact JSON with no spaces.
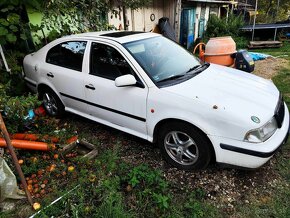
{"x":90,"y":86}
{"x":50,"y":74}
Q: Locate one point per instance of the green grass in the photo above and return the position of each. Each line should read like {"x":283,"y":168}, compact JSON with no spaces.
{"x":284,"y":51}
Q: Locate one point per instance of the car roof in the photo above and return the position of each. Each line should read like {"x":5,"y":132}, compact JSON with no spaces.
{"x":119,"y":36}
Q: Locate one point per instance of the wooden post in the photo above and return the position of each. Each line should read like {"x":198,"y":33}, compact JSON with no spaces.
{"x":15,"y":159}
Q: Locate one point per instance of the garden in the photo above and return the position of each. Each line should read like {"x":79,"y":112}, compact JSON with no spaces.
{"x":91,"y":170}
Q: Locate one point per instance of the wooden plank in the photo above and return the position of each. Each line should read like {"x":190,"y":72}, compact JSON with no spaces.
{"x":264,"y":46}
{"x":265,"y":43}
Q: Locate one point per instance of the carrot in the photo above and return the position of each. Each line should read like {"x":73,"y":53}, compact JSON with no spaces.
{"x":72,"y":139}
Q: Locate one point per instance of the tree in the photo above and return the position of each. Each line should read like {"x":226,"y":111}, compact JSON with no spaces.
{"x":13,"y":19}
{"x":273,"y":10}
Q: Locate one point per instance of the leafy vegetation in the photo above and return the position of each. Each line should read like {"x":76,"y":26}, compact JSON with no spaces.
{"x":105,"y":187}
{"x":226,"y":26}
{"x":13,"y":27}
{"x":271,"y":11}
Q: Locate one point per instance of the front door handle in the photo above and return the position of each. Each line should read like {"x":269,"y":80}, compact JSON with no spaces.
{"x":90,"y":86}
{"x":50,"y":74}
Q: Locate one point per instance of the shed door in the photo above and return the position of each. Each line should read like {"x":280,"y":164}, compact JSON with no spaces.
{"x":187,"y":27}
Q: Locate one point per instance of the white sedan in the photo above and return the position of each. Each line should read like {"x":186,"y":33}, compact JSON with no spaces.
{"x":148,"y":86}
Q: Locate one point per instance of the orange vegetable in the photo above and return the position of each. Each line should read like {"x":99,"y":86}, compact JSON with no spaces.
{"x":72,"y":139}
{"x":29,"y":187}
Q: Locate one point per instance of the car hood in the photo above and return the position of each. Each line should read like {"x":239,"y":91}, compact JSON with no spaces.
{"x":235,"y":94}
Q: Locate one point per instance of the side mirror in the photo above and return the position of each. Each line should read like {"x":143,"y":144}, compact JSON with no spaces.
{"x":126,"y":80}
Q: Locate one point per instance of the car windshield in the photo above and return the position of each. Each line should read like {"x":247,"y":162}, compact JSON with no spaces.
{"x":162,"y":59}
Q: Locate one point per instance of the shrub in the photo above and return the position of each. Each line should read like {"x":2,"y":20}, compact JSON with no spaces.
{"x":227,"y":26}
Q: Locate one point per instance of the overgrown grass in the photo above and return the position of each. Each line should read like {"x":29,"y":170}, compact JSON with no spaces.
{"x":108,"y":187}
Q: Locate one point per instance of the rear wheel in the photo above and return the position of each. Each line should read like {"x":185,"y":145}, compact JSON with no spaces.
{"x":52,"y":103}
{"x":184,"y":147}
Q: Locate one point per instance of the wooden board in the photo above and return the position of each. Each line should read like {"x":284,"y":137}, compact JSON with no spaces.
{"x":265,"y":44}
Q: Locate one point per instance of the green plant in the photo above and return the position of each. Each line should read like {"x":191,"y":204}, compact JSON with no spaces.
{"x":15,"y":110}
{"x":149,"y":186}
{"x":14,"y":83}
{"x":12,"y":25}
{"x":144,"y":177}
{"x":224,"y":26}
{"x":65,"y":17}
{"x":227,"y":26}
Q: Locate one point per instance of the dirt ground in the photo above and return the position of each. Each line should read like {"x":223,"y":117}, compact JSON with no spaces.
{"x":269,"y":67}
{"x":227,"y":189}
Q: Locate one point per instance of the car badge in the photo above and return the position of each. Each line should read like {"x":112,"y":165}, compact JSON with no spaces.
{"x":255,"y":119}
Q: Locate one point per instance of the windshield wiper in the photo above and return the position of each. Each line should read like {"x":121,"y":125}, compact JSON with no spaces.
{"x":196,"y":68}
{"x":171,"y":78}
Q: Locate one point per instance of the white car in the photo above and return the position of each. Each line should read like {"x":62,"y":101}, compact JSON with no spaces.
{"x":147,"y":85}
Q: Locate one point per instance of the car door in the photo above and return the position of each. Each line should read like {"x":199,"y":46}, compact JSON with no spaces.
{"x":62,"y":71}
{"x":122,"y":107}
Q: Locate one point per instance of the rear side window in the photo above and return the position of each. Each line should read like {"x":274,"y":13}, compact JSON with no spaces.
{"x":67,"y":54}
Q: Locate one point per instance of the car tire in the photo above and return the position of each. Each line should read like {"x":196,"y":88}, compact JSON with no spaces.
{"x":51,"y":103}
{"x":184,"y":146}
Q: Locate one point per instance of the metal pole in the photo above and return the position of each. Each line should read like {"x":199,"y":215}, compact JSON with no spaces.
{"x":254,"y":24}
{"x":278,"y":4}
{"x":15,"y":159}
{"x":245,"y":9}
{"x":4,"y":60}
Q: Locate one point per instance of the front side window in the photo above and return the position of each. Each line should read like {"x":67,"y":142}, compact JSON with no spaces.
{"x":107,"y":62}
{"x":67,"y":54}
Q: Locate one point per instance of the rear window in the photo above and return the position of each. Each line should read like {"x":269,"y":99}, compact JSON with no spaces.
{"x":67,"y":54}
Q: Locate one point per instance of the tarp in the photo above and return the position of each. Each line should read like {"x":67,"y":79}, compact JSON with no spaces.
{"x":8,"y":184}
{"x":166,"y":29}
{"x":258,"y":56}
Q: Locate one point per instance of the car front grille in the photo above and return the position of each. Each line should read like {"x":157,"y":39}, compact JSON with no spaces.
{"x":280,"y":112}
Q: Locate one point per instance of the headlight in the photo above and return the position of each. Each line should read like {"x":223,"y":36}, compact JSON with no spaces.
{"x":263,"y":133}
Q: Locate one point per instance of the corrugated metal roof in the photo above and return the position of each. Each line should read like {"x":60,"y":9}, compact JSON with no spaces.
{"x":266,"y":26}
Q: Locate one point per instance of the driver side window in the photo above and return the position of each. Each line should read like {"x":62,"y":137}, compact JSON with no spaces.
{"x":107,"y":62}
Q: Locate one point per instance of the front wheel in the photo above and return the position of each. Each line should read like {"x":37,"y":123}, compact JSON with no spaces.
{"x":52,"y":103}
{"x":184,"y":147}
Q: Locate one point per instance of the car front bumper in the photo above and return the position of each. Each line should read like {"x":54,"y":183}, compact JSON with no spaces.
{"x":250,"y":155}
